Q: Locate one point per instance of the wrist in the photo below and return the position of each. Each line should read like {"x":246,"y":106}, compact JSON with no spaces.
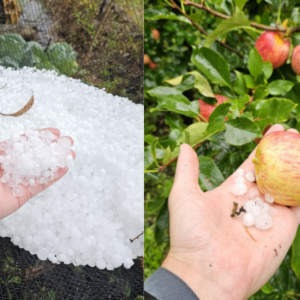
{"x":206,"y":280}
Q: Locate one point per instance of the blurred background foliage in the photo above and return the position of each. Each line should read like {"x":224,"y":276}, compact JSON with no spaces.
{"x":170,"y":55}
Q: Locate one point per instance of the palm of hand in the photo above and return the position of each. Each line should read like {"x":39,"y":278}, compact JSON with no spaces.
{"x":9,"y":203}
{"x":207,"y":241}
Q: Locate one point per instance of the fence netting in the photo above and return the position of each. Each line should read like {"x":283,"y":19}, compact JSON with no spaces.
{"x":97,"y":41}
{"x":101,"y":43}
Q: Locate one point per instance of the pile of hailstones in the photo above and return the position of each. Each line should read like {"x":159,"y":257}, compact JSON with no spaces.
{"x":33,"y":158}
{"x":258,"y":212}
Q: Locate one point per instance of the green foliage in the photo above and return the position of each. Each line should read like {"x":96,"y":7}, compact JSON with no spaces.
{"x":16,"y":53}
{"x":192,"y":66}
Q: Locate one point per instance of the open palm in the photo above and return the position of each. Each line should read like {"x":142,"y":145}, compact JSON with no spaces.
{"x":210,"y":250}
{"x":10,"y":203}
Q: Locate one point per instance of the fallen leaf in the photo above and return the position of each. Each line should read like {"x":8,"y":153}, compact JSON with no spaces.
{"x":23,"y":110}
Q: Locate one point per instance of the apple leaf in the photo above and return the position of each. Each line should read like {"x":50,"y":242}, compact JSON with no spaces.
{"x":153,"y":14}
{"x":255,"y":62}
{"x":212,"y":65}
{"x":171,"y":99}
{"x":199,"y":82}
{"x":279,"y":87}
{"x":261,"y":92}
{"x":296,"y":253}
{"x":241,"y":131}
{"x":267,"y":288}
{"x":271,"y":111}
{"x":175,"y":122}
{"x":267,"y":69}
{"x":235,"y":22}
{"x":210,"y":177}
{"x":240,"y":83}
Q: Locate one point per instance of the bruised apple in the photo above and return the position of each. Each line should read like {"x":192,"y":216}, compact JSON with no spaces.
{"x":273,"y":47}
{"x":277,"y":167}
{"x":206,"y":109}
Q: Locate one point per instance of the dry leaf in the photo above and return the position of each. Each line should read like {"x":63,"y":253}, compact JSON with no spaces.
{"x":23,"y":110}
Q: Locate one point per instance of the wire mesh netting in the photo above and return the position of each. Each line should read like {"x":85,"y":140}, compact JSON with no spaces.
{"x":99,"y":42}
{"x":24,"y":276}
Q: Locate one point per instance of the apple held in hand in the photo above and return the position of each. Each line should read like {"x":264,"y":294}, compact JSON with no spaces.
{"x":207,"y":109}
{"x":273,"y":47}
{"x":277,"y":167}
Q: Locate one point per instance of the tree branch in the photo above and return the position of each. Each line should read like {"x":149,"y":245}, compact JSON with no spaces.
{"x":253,"y":24}
{"x":203,"y":31}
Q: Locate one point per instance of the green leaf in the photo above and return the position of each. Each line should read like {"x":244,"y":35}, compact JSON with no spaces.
{"x":267,"y":69}
{"x":183,"y":83}
{"x":212,"y":65}
{"x":210,"y":176}
{"x":217,"y":118}
{"x":241,"y":131}
{"x":293,"y":95}
{"x":16,"y":280}
{"x":240,"y":83}
{"x":255,"y":62}
{"x":154,"y":14}
{"x":267,"y":288}
{"x":153,"y":150}
{"x":239,"y":105}
{"x":148,"y":157}
{"x":161,"y":224}
{"x":173,"y":137}
{"x":296,"y":253}
{"x":235,"y":22}
{"x":200,"y":83}
{"x":250,"y":83}
{"x":171,"y":99}
{"x":155,"y":203}
{"x":192,"y":135}
{"x":271,"y":111}
{"x":175,"y":122}
{"x":261,"y":92}
{"x":149,"y":138}
{"x":279,"y":87}
{"x":240,"y":3}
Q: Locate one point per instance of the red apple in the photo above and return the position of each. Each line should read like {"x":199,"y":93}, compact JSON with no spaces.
{"x":295,"y":61}
{"x":147,"y":59}
{"x":152,"y":65}
{"x":155,"y":34}
{"x":207,"y":109}
{"x":276,"y":167}
{"x":273,"y":47}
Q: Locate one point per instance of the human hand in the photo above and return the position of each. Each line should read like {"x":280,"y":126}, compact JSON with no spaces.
{"x":211,"y":251}
{"x":9,"y":203}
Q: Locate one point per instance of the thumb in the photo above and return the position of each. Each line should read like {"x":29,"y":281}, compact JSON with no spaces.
{"x":187,"y":169}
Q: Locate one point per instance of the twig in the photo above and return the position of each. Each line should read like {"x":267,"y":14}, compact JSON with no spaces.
{"x":94,"y":39}
{"x":203,"y":31}
{"x":136,"y":237}
{"x":253,"y":24}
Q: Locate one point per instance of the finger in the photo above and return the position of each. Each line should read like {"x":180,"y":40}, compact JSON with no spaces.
{"x":55,"y":131}
{"x":187,"y":169}
{"x":293,"y":130}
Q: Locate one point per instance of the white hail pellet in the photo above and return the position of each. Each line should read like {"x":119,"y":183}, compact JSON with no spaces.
{"x":255,"y":210}
{"x":248,"y":219}
{"x":250,"y":176}
{"x":269,"y":198}
{"x":239,"y":180}
{"x":97,"y":206}
{"x":253,"y":192}
{"x":239,"y":189}
{"x":23,"y":161}
{"x":248,"y":205}
{"x":238,"y":173}
{"x":263,"y":221}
